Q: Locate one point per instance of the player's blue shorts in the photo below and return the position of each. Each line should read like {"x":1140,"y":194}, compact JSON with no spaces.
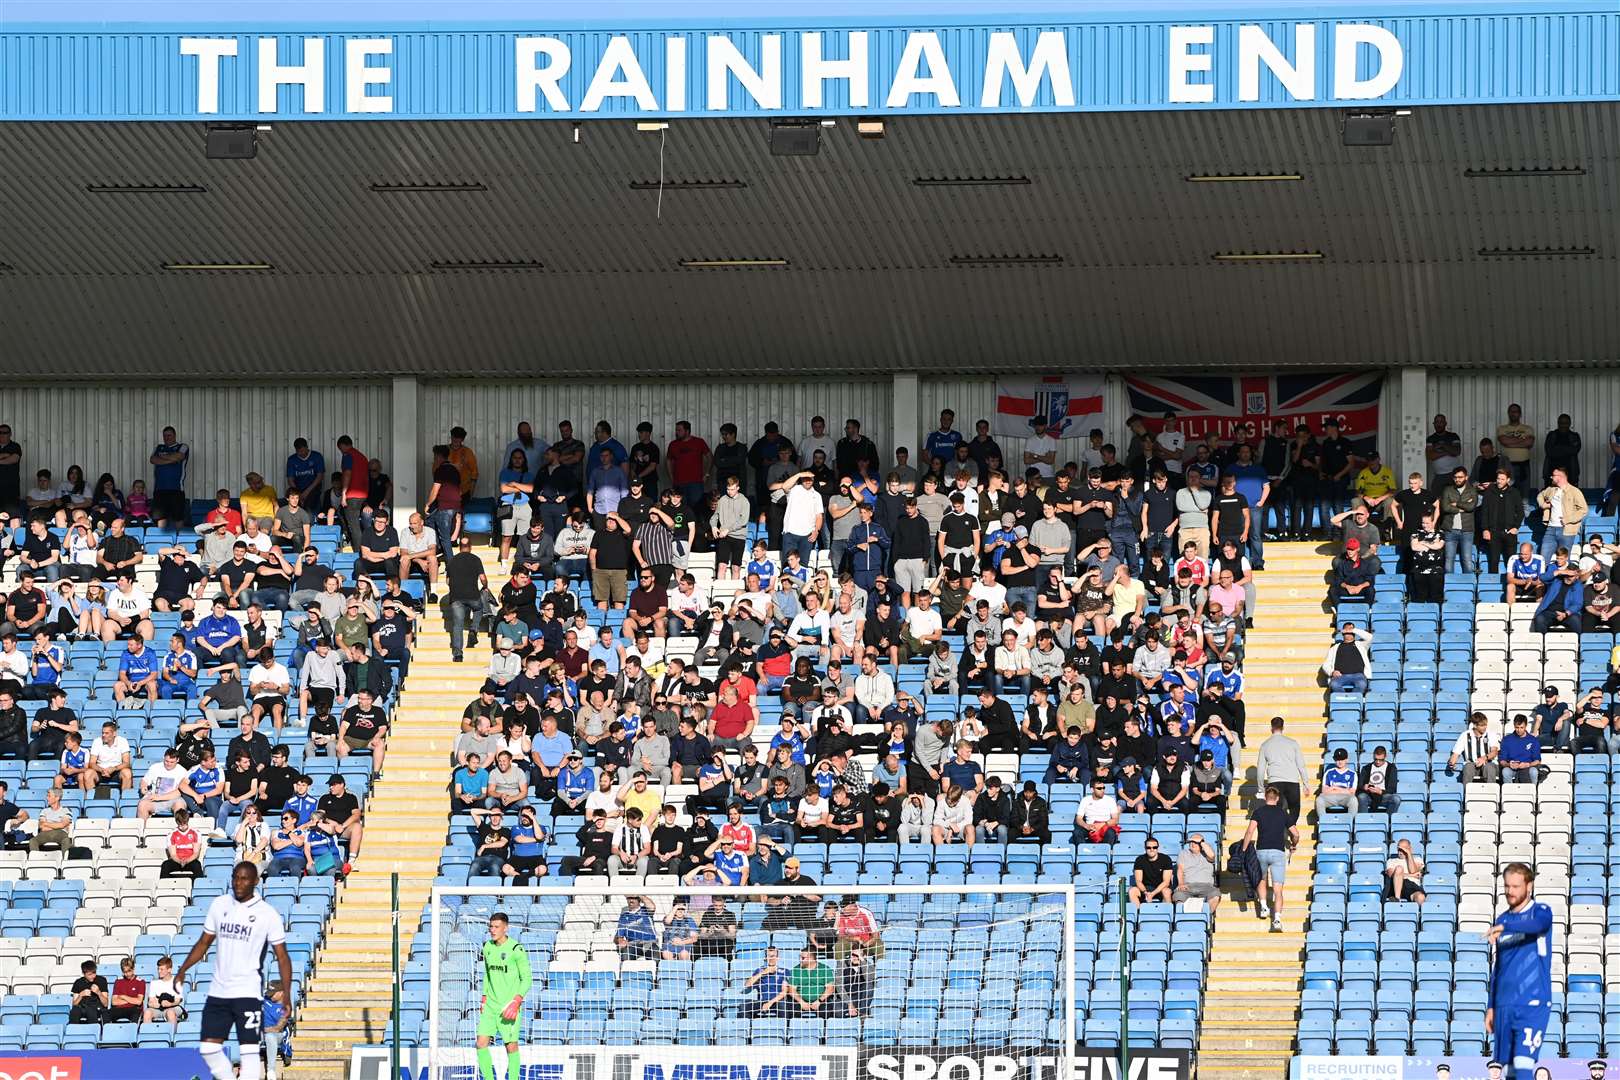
{"x":220,"y":1015}
{"x":1518,"y":1030}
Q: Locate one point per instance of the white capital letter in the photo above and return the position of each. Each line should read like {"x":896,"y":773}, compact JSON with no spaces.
{"x":1391,"y":61}
{"x":531,"y":77}
{"x":764,"y":85}
{"x":1255,"y":48}
{"x":357,"y":75}
{"x":619,"y":56}
{"x":311,"y":75}
{"x":908,"y":80}
{"x":675,"y":73}
{"x":818,"y":70}
{"x":1183,"y":62}
{"x":1051,"y":58}
{"x":209,"y":52}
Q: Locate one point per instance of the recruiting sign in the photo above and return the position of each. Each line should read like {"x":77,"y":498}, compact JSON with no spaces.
{"x":485,"y":61}
{"x":1441,"y":1067}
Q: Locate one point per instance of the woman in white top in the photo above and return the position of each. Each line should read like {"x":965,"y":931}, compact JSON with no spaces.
{"x":252,"y":837}
{"x":953,"y":817}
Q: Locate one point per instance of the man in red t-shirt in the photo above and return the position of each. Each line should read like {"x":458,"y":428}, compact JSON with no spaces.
{"x":444,"y":500}
{"x":740,"y":832}
{"x":733,"y":720}
{"x":128,"y":994}
{"x":185,"y":849}
{"x":356,"y":486}
{"x":856,"y":925}
{"x":689,"y":459}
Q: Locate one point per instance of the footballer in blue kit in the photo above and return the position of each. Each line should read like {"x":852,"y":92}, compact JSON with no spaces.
{"x":1521,"y":980}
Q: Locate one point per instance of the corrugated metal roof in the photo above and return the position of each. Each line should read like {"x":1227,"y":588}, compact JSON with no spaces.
{"x":870,"y":276}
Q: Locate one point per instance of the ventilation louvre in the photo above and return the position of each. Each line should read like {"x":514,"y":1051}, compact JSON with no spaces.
{"x":688,"y":185}
{"x":1267,"y":256}
{"x":732,"y":264}
{"x":971,"y":181}
{"x":1524,"y":174}
{"x":1006,"y":260}
{"x":145,"y":189}
{"x":1536,"y":253}
{"x":485,"y":266}
{"x":429,"y":187}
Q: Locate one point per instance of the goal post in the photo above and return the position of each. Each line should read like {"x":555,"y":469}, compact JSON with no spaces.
{"x":639,"y":981}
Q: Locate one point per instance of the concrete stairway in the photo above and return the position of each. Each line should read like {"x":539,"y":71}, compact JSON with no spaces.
{"x":350,"y":998}
{"x":1253,"y":989}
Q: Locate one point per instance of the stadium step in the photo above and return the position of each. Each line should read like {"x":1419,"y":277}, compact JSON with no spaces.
{"x":348,"y":1002}
{"x":1253,"y":983}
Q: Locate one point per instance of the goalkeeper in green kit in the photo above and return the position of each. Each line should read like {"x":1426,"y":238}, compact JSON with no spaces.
{"x":506,"y":982}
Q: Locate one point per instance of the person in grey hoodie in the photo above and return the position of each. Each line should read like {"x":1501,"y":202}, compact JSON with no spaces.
{"x":320,"y":679}
{"x":1281,"y":765}
{"x":729,"y":524}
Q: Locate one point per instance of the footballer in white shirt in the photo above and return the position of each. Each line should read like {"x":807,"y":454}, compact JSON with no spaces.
{"x":245,"y":927}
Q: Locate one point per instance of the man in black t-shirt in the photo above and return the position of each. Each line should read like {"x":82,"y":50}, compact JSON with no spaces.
{"x":379,"y":548}
{"x":255,"y":745}
{"x":342,"y":810}
{"x":119,"y":551}
{"x":278,"y":779}
{"x":1272,"y":834}
{"x":668,"y":847}
{"x":494,"y":842}
{"x":10,"y":470}
{"x":89,"y":996}
{"x":1229,"y":512}
{"x":364,"y":727}
{"x":1152,"y":875}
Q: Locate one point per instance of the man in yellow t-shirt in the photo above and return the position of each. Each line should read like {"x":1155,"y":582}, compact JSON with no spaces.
{"x":465,"y":461}
{"x":1375,"y":483}
{"x":258,"y":500}
{"x":1515,"y":439}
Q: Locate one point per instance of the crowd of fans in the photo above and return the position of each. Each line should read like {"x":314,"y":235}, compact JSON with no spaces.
{"x":101,"y":565}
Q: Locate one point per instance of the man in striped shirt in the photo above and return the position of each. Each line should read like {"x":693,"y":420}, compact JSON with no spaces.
{"x":1476,"y":749}
{"x":857,"y":926}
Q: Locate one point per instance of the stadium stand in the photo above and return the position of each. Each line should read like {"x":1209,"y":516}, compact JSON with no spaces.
{"x":1384,"y":976}
{"x":104,"y":889}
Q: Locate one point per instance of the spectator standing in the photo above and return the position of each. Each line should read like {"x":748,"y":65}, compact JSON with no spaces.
{"x":1563,"y":508}
{"x":1443,"y":449}
{"x":1282,"y":766}
{"x":170,"y":460}
{"x":1516,"y":440}
{"x":1561,"y":450}
{"x":1458,"y":502}
{"x":1500,"y":516}
{"x":1272,"y":833}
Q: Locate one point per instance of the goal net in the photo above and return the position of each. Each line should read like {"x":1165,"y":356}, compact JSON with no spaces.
{"x":634,"y":981}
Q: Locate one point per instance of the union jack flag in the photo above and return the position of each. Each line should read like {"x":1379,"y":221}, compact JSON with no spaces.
{"x":1208,"y":405}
